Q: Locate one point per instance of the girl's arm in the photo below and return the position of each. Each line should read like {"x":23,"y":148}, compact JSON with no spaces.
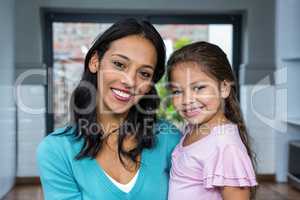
{"x":235,"y":193}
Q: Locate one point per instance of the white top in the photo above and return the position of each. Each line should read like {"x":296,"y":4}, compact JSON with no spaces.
{"x":124,"y":187}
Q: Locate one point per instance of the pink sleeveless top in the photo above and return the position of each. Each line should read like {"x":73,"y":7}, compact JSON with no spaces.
{"x":201,"y":168}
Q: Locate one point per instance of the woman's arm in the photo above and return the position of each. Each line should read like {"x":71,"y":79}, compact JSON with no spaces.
{"x":235,"y":193}
{"x":55,"y":173}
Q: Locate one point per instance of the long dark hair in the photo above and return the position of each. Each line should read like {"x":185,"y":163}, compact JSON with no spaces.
{"x":83,"y":98}
{"x":214,"y":62}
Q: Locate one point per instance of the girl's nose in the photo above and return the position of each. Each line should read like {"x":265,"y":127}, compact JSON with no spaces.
{"x":188,"y":98}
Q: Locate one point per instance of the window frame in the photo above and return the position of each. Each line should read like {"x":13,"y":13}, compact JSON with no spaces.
{"x":50,"y":16}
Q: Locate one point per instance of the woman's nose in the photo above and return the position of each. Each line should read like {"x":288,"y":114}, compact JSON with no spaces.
{"x":128,"y":78}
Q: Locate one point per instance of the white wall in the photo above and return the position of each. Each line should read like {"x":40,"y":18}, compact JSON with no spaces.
{"x":258,"y":46}
{"x":31,"y":127}
{"x":258,"y":40}
{"x":7,"y":107}
{"x":288,"y":59}
{"x":259,"y":107}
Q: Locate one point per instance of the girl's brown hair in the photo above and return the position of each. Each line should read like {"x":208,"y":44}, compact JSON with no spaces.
{"x":214,"y":62}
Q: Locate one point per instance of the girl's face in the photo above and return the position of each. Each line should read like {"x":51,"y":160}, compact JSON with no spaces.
{"x":196,"y":96}
{"x":124,"y":73}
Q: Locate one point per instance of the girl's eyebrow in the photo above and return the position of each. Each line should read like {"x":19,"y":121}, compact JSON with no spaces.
{"x":172,"y":85}
{"x":197,"y":82}
{"x":128,"y":59}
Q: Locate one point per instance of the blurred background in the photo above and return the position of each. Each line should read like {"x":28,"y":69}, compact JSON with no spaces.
{"x":42,"y":48}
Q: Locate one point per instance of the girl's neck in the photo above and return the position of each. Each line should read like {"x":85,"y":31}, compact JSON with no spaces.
{"x":217,"y":120}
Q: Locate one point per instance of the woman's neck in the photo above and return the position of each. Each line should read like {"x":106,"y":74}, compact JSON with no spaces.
{"x":110,"y":122}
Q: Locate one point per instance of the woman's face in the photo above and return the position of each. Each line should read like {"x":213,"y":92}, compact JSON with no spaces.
{"x":124,"y":73}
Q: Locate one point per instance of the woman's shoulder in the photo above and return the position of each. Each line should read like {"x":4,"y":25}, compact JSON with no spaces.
{"x":58,"y":137}
{"x":167,"y":134}
{"x":167,"y":130}
{"x":57,"y":143}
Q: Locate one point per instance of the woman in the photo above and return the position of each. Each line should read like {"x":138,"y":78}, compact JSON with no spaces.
{"x":113,"y":148}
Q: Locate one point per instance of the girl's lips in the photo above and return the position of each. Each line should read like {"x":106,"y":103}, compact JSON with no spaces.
{"x":192,"y":112}
{"x":121,"y":95}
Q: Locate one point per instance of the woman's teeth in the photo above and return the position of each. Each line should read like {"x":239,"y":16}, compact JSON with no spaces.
{"x":122,"y":96}
{"x":120,"y":93}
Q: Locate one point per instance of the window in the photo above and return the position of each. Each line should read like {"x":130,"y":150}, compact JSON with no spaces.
{"x":68,"y":37}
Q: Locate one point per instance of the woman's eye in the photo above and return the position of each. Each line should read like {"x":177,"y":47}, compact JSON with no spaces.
{"x":146,"y":75}
{"x":118,"y":64}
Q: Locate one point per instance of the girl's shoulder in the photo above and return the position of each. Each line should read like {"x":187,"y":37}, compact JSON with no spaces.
{"x":229,"y":164}
{"x":227,"y":134}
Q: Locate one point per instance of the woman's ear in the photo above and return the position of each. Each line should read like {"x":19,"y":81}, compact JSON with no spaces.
{"x":94,"y":63}
{"x":225,"y":89}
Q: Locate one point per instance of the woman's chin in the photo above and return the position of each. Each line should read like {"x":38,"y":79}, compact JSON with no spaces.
{"x":118,"y":109}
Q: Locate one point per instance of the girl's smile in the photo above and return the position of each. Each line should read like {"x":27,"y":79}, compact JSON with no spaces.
{"x":193,"y":111}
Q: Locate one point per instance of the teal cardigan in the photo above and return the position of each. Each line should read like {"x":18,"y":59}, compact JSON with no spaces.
{"x":65,"y":178}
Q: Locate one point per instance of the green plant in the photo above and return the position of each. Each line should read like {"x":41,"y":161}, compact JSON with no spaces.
{"x":166,"y":109}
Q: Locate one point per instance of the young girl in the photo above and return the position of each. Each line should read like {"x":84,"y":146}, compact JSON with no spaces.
{"x":213,"y":160}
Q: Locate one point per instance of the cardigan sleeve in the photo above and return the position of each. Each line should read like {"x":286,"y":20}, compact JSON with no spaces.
{"x":55,"y":173}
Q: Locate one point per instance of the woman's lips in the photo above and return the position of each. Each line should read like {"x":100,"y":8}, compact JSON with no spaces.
{"x":192,"y":112}
{"x":121,"y":95}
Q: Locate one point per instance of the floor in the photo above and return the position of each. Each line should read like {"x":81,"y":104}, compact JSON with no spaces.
{"x":266,"y":191}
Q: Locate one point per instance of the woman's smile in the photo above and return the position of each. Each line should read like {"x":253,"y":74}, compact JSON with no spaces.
{"x":122,"y":95}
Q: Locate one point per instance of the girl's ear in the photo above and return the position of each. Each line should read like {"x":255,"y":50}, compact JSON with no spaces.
{"x":225,"y":89}
{"x":94,"y":63}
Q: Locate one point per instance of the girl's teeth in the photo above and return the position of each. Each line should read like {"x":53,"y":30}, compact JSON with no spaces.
{"x":193,"y":109}
{"x":192,"y":112}
{"x":120,"y":93}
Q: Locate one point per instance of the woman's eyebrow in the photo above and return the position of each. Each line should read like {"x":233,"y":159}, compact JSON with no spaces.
{"x":122,"y":56}
{"x":149,"y":66}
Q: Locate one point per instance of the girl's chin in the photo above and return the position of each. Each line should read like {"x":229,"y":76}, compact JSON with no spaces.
{"x":194,"y":120}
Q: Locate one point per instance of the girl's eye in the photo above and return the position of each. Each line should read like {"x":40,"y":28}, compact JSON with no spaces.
{"x":176,"y":92}
{"x":198,"y":88}
{"x":118,"y":64}
{"x":146,"y":75}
